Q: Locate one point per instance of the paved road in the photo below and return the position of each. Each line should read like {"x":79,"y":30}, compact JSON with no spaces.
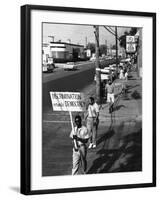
{"x":67,"y":81}
{"x":59,"y":73}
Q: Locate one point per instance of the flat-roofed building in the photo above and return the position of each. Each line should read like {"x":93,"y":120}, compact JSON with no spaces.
{"x":63,"y":52}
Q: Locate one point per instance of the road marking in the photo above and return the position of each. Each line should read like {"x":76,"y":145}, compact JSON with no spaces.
{"x":106,"y":118}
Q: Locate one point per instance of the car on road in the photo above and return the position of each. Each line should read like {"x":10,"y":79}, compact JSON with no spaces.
{"x":48,"y":65}
{"x":70,"y":66}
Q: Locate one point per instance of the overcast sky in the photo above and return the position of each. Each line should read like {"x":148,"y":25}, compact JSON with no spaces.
{"x":78,"y":33}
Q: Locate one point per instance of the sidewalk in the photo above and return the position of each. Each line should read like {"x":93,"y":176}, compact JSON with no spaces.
{"x":119,"y":137}
{"x":127,"y":106}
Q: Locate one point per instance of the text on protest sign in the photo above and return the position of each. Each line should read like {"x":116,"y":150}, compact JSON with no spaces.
{"x":67,"y":101}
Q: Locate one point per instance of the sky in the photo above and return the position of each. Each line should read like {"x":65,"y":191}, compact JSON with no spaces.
{"x":78,"y":33}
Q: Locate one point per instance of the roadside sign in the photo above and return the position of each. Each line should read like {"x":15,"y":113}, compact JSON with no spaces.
{"x":130,"y":44}
{"x":67,"y":101}
{"x":130,"y":47}
{"x":130,"y":39}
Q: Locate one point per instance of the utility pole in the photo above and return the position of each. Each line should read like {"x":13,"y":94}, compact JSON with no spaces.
{"x":106,"y":47}
{"x":86,"y":41}
{"x":98,"y":78}
{"x":110,"y":30}
{"x":116,"y":47}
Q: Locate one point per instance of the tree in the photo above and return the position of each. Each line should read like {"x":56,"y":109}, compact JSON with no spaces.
{"x":91,"y":46}
{"x":133,"y":31}
{"x":113,"y":46}
{"x":103,"y":49}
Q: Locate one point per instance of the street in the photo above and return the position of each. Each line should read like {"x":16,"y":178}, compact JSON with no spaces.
{"x":66,"y":81}
{"x":119,"y":142}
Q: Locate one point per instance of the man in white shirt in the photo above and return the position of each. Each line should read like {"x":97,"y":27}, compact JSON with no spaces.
{"x":110,"y":87}
{"x":92,"y":118}
{"x":80,"y":138}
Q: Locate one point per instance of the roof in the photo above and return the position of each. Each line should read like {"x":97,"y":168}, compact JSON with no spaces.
{"x":67,"y":44}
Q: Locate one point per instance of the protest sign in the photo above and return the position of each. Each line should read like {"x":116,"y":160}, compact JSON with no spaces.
{"x":67,"y":101}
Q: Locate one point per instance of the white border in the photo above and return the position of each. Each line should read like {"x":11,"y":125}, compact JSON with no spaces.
{"x":42,"y":183}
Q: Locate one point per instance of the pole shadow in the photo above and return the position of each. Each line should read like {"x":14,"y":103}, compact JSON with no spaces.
{"x":126,"y":158}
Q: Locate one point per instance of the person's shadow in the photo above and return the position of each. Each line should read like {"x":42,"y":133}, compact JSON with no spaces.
{"x":127,"y":157}
{"x":103,"y":156}
{"x":118,"y":107}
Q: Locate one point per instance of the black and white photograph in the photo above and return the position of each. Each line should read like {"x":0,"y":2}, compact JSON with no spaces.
{"x":92,"y":99}
{"x":87,"y":99}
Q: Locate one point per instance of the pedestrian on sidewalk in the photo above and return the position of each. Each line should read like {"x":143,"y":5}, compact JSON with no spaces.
{"x":126,"y":75}
{"x":121,"y":76}
{"x":110,"y":89}
{"x":92,"y":121}
{"x":80,"y":136}
{"x":123,"y":88}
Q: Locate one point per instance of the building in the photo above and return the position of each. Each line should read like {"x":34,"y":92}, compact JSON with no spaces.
{"x":63,"y":52}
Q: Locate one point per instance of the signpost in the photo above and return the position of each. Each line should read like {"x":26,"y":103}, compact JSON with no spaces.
{"x":130,"y":44}
{"x":130,"y":47}
{"x":130,"y":39}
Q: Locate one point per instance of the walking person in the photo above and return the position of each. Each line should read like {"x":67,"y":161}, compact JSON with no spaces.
{"x":110,"y":87}
{"x":126,"y":75}
{"x":80,"y":138}
{"x":121,"y":74}
{"x":92,"y":119}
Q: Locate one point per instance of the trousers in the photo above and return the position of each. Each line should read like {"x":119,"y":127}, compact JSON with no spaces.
{"x":79,"y":160}
{"x":92,"y":126}
{"x":110,"y":98}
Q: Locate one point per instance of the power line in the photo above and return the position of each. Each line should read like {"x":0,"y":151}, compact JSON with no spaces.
{"x":113,"y":33}
{"x":111,"y":29}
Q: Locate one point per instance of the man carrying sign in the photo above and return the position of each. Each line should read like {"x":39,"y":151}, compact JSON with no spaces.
{"x":80,"y":137}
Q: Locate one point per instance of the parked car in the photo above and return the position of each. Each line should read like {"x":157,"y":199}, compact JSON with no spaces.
{"x":48,"y":65}
{"x":70,"y":66}
{"x":105,"y":74}
{"x":114,"y":71}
